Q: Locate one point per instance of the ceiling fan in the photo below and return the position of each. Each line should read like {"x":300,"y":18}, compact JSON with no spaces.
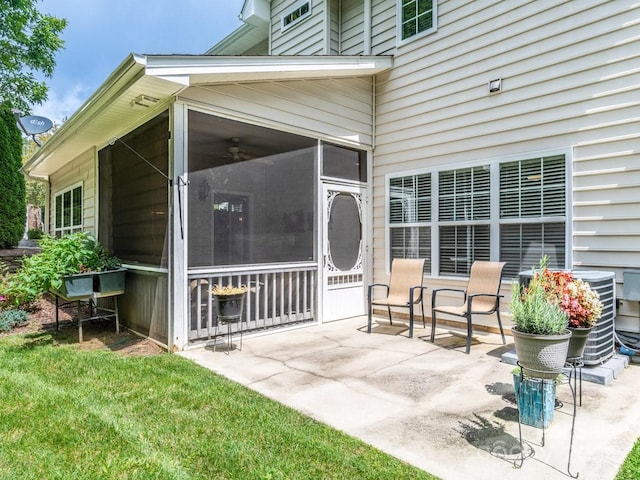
{"x":237,"y":153}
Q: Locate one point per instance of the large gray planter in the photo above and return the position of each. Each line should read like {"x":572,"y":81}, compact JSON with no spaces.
{"x":541,"y":356}
{"x":78,"y":286}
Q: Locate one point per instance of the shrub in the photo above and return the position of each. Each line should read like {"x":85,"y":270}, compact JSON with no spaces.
{"x":12,"y":318}
{"x":12,"y":184}
{"x":34,"y":234}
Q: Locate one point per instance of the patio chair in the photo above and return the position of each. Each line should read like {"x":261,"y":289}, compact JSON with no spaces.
{"x":404,"y":289}
{"x":481,"y":297}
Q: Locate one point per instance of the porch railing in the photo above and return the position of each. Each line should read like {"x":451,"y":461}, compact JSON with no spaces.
{"x":277,"y":296}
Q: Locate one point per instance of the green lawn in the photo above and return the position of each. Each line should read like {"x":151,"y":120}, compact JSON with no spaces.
{"x":67,"y":413}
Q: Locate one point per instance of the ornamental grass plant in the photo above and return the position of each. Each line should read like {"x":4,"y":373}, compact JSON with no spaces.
{"x":532,"y":310}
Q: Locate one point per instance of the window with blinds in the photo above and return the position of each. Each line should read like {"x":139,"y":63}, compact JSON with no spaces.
{"x":532,"y":212}
{"x":514,"y":211}
{"x":410,"y":217}
{"x":464,"y":213}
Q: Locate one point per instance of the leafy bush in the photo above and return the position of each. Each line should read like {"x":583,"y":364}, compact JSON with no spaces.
{"x":34,"y":234}
{"x":12,"y":318}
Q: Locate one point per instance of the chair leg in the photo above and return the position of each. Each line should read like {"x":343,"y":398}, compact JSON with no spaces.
{"x":389,"y":310}
{"x":411,"y":319}
{"x":469,"y":333}
{"x":504,"y":342}
{"x":424,"y":325}
{"x":370,"y":307}
{"x":433,"y":325}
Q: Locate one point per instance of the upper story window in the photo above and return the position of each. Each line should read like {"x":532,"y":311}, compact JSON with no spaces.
{"x":299,"y":13}
{"x":68,"y":211}
{"x":416,"y":17}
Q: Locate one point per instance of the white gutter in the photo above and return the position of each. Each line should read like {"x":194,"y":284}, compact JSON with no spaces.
{"x":128,"y":71}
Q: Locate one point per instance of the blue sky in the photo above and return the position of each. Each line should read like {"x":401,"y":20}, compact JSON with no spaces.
{"x":101,"y":33}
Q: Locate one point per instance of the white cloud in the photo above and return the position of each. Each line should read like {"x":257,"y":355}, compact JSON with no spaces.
{"x":58,"y":108}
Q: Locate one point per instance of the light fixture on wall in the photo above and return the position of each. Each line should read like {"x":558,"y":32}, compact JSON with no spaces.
{"x":143,"y":100}
{"x":495,"y":85}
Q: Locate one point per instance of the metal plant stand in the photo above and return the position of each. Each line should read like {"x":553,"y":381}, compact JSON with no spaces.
{"x":95,"y":312}
{"x":573,"y":365}
{"x":228,"y":323}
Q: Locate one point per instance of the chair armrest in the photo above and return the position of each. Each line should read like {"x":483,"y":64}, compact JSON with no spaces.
{"x":435,"y":292}
{"x":422,"y":288}
{"x":370,"y":290}
{"x":476,"y":295}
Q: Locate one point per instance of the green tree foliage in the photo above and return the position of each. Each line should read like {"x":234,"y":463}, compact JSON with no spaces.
{"x":12,"y":184}
{"x":29,"y":41}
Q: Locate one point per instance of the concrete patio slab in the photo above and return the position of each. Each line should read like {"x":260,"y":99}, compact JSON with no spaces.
{"x":432,"y":405}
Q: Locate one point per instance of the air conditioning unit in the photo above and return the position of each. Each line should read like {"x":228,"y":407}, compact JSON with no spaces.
{"x":601,"y":342}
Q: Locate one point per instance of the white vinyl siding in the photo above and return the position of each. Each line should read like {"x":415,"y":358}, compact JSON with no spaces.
{"x":81,"y":173}
{"x":570,"y":83}
{"x":352,"y":27}
{"x":306,"y":37}
{"x":332,"y":108}
{"x":383,"y":27}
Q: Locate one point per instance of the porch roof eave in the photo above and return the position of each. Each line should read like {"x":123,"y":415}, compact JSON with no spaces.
{"x":112,"y":110}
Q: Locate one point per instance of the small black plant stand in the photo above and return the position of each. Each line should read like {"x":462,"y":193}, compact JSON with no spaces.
{"x":573,"y":365}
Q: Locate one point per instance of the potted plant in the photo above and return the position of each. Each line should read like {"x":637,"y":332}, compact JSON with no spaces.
{"x":540,"y":332}
{"x":229,"y":301}
{"x":581,"y":304}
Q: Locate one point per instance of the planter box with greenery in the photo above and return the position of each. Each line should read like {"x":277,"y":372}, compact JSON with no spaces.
{"x":109,"y":281}
{"x":58,"y":266}
{"x":75,"y":287}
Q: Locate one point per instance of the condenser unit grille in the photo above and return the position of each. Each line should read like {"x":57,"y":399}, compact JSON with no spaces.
{"x":601,"y":342}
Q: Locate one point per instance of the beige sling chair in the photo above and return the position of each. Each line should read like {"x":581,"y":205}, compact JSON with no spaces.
{"x":404,"y":289}
{"x":481,"y":297}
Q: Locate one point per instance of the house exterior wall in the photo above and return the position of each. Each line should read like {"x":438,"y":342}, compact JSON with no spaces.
{"x":570,"y":81}
{"x":383,"y":27}
{"x":306,"y":37}
{"x":338,"y":109}
{"x":81,"y":169}
{"x":351,"y":27}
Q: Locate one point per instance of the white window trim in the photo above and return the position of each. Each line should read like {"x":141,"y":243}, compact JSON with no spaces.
{"x":298,"y":20}
{"x":64,"y":230}
{"x":494,"y":221}
{"x":434,"y":28}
